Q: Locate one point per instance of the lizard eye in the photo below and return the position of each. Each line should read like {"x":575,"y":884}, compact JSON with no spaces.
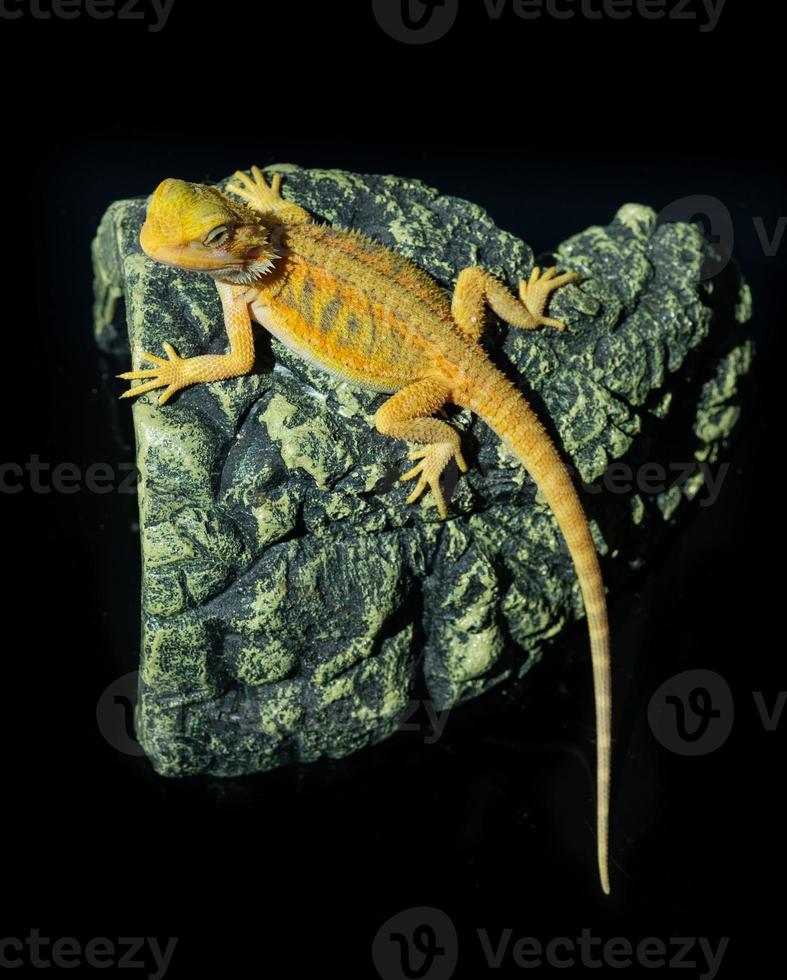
{"x":217,"y":236}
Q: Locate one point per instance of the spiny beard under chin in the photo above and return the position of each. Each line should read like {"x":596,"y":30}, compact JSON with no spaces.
{"x":248,"y":275}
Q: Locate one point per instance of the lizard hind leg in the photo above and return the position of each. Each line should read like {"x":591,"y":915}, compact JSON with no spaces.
{"x":476,"y":288}
{"x":535,"y":293}
{"x":407,"y":415}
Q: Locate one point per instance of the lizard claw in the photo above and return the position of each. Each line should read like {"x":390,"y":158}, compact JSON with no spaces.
{"x":434,"y":459}
{"x":255,"y":190}
{"x":169,"y":373}
{"x":535,"y":293}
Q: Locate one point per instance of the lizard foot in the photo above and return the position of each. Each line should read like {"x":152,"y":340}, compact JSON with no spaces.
{"x":536,"y":292}
{"x":171,"y":373}
{"x":255,"y":190}
{"x":434,"y":459}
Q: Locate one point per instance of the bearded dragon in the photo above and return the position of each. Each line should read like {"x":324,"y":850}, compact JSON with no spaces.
{"x":372,"y":317}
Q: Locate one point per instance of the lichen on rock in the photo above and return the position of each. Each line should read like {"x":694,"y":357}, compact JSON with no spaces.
{"x":291,"y":601}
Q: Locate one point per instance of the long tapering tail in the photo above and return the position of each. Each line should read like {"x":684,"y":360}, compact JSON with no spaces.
{"x":499,"y":404}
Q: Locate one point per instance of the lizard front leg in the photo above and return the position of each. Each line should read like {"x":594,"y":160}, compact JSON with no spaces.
{"x":406,"y":415}
{"x":177,"y":372}
{"x":476,"y":288}
{"x":266,"y":198}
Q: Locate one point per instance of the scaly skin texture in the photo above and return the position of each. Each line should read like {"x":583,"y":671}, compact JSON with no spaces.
{"x":372,"y":317}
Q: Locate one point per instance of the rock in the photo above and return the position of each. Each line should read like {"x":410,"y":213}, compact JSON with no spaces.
{"x":291,"y":601}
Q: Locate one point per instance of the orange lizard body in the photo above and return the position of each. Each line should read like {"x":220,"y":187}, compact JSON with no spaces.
{"x":373,"y":317}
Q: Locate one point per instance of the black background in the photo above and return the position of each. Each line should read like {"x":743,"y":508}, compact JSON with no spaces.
{"x":550,"y":125}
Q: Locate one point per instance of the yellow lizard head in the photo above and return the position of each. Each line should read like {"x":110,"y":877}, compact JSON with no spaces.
{"x":198,"y":228}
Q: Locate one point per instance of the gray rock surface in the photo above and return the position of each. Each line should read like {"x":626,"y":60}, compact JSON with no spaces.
{"x":291,"y":602}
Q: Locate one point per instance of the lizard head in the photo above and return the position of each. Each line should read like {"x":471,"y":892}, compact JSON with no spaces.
{"x":195,"y":227}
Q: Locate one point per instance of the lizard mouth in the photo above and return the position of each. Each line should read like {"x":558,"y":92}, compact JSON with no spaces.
{"x":193,"y":257}
{"x":196,"y":257}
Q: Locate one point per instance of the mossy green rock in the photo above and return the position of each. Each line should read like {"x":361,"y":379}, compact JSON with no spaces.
{"x":291,"y":601}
